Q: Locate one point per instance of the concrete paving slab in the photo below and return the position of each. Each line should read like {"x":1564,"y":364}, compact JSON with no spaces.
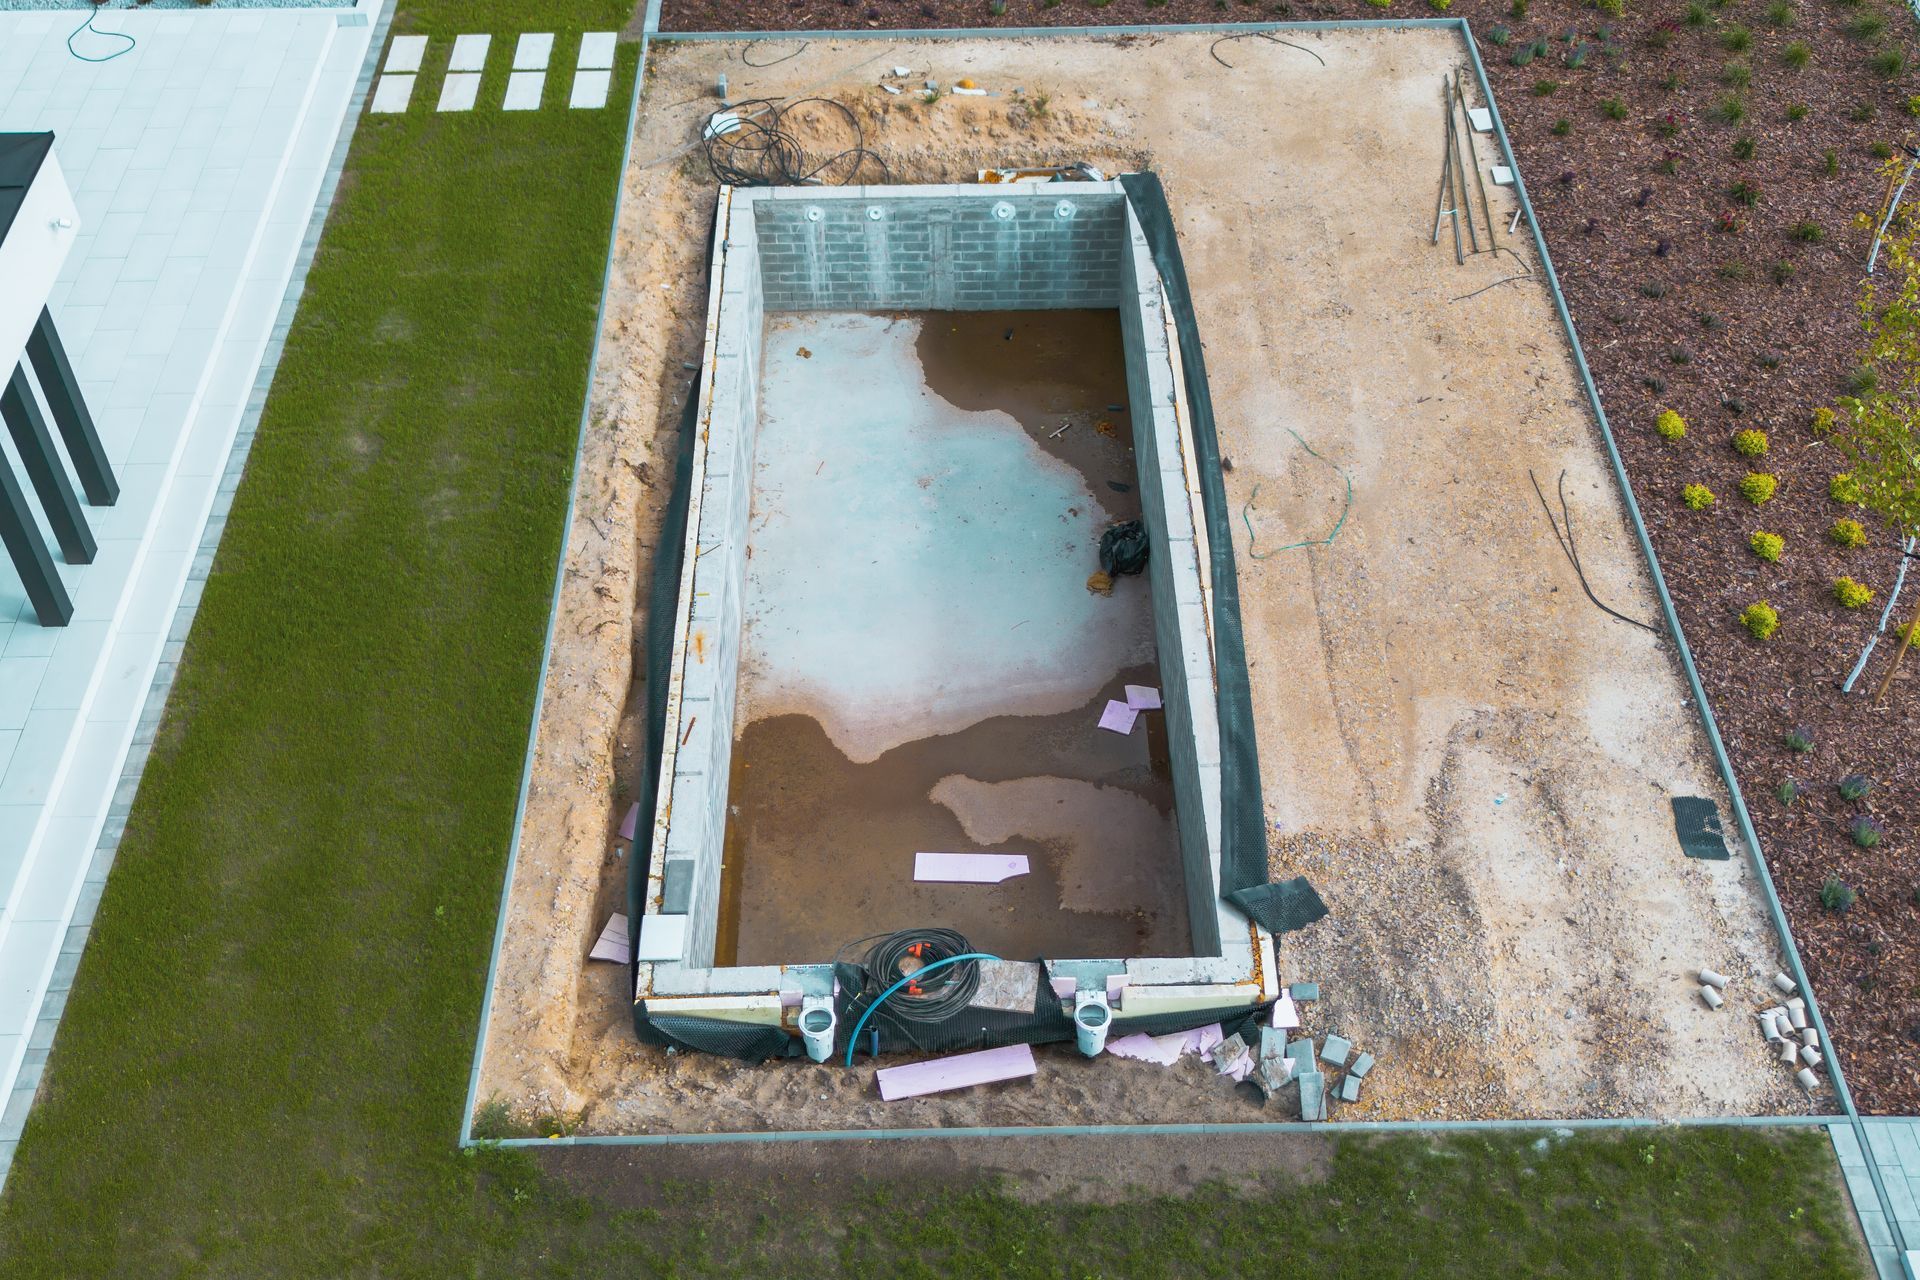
{"x":470,"y":52}
{"x":459,"y":91}
{"x":590,"y":89}
{"x":405,"y":53}
{"x":523,"y":91}
{"x":533,"y":52}
{"x":392,"y":94}
{"x":596,"y":50}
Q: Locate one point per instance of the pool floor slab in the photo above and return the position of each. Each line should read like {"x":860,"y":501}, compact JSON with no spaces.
{"x":923,"y":665}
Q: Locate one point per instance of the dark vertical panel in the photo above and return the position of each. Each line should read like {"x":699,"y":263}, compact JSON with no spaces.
{"x":45,"y":468}
{"x":29,"y":551}
{"x":70,"y":412}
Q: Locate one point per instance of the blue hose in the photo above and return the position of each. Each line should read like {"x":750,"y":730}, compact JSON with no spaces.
{"x":915,"y":976}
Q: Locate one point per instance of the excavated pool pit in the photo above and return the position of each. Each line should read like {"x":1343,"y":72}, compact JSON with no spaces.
{"x":920,"y":408}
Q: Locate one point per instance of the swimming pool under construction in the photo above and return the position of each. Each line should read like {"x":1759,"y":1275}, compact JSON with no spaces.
{"x":904,"y":704}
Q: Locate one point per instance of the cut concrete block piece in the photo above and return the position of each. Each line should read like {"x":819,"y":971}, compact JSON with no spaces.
{"x":1481,"y":118}
{"x":596,"y":50}
{"x":1306,"y":991}
{"x":405,"y":52}
{"x":1335,"y":1050}
{"x":1350,"y":1088}
{"x":590,"y":90}
{"x":470,"y":53}
{"x":391,"y":95}
{"x":662,"y":937}
{"x":1301,"y":1051}
{"x":523,"y":91}
{"x":1313,"y":1095}
{"x":1285,"y":1015}
{"x":1502,"y":176}
{"x":676,"y":886}
{"x":1362,"y":1064}
{"x":533,"y":52}
{"x":458,"y":92}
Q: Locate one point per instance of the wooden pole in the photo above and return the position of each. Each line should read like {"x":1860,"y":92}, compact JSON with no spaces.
{"x":1906,"y":639}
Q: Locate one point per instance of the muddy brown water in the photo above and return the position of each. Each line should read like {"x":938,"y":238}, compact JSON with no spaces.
{"x":819,"y":849}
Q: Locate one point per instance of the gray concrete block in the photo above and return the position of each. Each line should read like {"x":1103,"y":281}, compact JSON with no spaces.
{"x":676,"y":886}
{"x":1335,"y":1050}
{"x":1313,"y":1096}
{"x":1362,"y":1064}
{"x":1306,"y":990}
{"x":1350,"y":1088}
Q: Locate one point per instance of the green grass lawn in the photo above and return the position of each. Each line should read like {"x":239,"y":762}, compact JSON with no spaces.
{"x":263,"y":1061}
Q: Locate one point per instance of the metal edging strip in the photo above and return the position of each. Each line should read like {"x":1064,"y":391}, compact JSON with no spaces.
{"x":1256,"y":1128}
{"x":559,"y":583}
{"x":1755,"y":857}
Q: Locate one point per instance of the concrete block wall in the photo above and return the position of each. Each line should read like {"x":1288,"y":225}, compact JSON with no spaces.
{"x":703,"y":762}
{"x":1179,"y":623}
{"x":941,"y":248}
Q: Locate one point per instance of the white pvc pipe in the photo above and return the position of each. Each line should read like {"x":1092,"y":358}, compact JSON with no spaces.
{"x":816,"y":1027}
{"x":1785,"y":983}
{"x":1712,"y":979}
{"x":1885,"y":614}
{"x":1788,"y":1051}
{"x":1807,"y":1079}
{"x":1711,"y":996}
{"x":1092,"y":1019}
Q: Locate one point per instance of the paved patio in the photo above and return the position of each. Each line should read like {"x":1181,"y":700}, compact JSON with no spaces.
{"x":197,"y":159}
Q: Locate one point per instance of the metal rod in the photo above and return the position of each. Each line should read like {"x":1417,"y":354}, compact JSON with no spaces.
{"x":1473,"y":149}
{"x":1446,"y":161}
{"x":1459,"y":161}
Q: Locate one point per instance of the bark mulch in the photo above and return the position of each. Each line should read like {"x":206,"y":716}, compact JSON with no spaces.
{"x":1701,"y":196}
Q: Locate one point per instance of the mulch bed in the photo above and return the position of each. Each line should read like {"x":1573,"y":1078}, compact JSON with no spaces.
{"x":1753,"y":326}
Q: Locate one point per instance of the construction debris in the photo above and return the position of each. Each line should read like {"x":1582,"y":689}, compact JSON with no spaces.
{"x":957,"y":1072}
{"x":1711,"y":995}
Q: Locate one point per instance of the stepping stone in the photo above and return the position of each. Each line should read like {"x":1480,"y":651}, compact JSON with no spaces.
{"x":391,"y":95}
{"x":470,"y":53}
{"x":523,"y":91}
{"x":405,"y":52}
{"x":1361,"y":1065}
{"x":596,"y":50}
{"x":1335,"y":1050}
{"x":590,"y":90}
{"x":459,"y":91}
{"x":533,"y":52}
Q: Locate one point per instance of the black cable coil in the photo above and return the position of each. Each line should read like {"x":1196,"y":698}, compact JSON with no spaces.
{"x":755,"y":148}
{"x":942,"y":995}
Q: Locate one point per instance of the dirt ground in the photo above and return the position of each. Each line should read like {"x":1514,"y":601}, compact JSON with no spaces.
{"x":1470,"y":761}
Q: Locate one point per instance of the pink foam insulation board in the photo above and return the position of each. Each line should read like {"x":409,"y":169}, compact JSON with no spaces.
{"x":1143,"y":698}
{"x":612,"y":944}
{"x":961,"y":1071}
{"x":628,"y":823}
{"x":969,"y":868}
{"x":1118,"y":717}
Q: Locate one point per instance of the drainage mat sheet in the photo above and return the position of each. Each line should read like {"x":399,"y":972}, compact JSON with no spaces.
{"x":1697,"y":822}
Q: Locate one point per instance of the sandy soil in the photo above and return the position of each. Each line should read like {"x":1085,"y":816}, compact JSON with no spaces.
{"x":1469,"y":760}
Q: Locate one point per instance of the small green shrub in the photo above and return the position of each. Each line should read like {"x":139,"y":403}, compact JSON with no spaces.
{"x":1697,"y":497}
{"x":1867,"y":833}
{"x":1880,"y":150}
{"x":1735,"y":270}
{"x":1781,"y":271}
{"x":1807,"y":232}
{"x":1743,"y":148}
{"x":1500,"y":36}
{"x":1788,"y":792}
{"x":1613,"y":108}
{"x":1760,"y":620}
{"x":1750,"y":442}
{"x":1670,"y":425}
{"x":1654,"y":289}
{"x":1851,"y":594}
{"x":1736,"y":38}
{"x":1545,"y":88}
{"x":1736,"y":74}
{"x":1797,"y":111}
{"x":1576,"y":57}
{"x":1836,"y":895}
{"x":1732,"y":109}
{"x":1854,"y":786}
{"x":1744,"y":192}
{"x":1771,"y":359}
{"x":1562,"y":127}
{"x":1842,"y":489}
{"x":1517,"y":10}
{"x":1830,"y":162}
{"x":1767,"y":546}
{"x":1888,"y":63}
{"x":1848,"y":533}
{"x":1913,"y":105}
{"x":1797,"y":740}
{"x":1520,"y":57}
{"x":1440,"y":6}
{"x":1861,"y":379}
{"x":1867,"y":26}
{"x":1696,"y":15}
{"x":1758,"y":487}
{"x":1822,"y":420}
{"x":1780,"y":13}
